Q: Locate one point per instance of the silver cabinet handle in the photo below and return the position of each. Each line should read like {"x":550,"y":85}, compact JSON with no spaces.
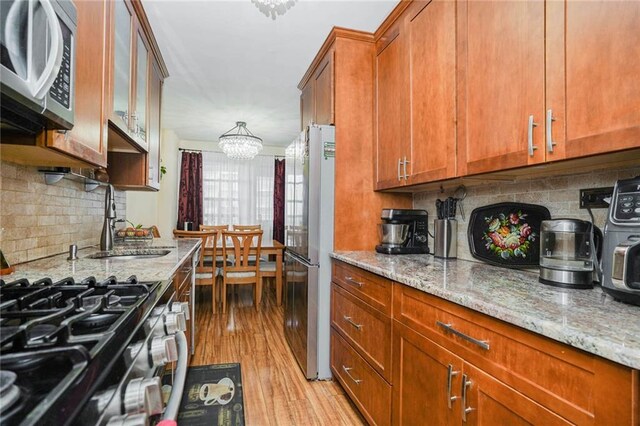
{"x":405,"y":162}
{"x":352,"y":281}
{"x":346,"y":371}
{"x":450,"y":375}
{"x":399,"y":165}
{"x":466,"y":383}
{"x":350,"y":321}
{"x":550,"y":120}
{"x":448,"y":327}
{"x":530,"y":135}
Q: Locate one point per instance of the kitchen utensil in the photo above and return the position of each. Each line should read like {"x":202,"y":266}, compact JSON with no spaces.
{"x":446,"y":238}
{"x":439,"y":208}
{"x":460,"y":194}
{"x":507,"y":234}
{"x":568,"y":253}
{"x":621,"y":252}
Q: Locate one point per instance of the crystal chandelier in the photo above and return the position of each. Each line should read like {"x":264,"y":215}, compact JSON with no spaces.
{"x":273,"y":8}
{"x":239,"y":143}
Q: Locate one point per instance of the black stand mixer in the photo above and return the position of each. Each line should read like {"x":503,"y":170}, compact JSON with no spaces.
{"x":403,"y":231}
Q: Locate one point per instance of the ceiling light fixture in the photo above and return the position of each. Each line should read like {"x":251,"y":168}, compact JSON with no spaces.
{"x":239,"y":143}
{"x":273,"y":8}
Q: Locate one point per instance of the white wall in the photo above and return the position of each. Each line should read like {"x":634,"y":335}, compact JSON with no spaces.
{"x":161,"y":208}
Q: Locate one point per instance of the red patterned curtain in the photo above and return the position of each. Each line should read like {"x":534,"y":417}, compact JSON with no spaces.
{"x":278,"y":201}
{"x":190,"y":192}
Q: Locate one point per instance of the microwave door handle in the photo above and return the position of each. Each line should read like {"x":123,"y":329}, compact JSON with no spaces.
{"x":45,"y":81}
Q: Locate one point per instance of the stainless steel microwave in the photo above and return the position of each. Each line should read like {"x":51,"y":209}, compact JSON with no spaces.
{"x":37,"y":55}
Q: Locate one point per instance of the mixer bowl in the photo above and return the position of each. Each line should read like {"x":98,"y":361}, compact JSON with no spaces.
{"x":392,"y":233}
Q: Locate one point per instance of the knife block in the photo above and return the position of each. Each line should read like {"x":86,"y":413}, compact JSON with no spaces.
{"x":446,"y":238}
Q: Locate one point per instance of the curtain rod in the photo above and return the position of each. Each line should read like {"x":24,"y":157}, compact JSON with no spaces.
{"x":204,"y":150}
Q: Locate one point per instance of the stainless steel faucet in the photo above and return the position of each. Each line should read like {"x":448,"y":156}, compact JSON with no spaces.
{"x":108,"y":228}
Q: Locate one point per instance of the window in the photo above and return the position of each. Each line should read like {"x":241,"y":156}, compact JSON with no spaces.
{"x":238,"y":191}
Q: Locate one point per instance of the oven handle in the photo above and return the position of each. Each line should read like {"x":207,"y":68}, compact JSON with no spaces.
{"x":45,"y":81}
{"x":179,"y":379}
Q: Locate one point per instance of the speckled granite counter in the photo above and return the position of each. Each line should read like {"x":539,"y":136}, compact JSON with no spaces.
{"x":585,"y":319}
{"x":151,"y":269}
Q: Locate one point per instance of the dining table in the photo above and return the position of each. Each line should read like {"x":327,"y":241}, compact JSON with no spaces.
{"x":268,"y":247}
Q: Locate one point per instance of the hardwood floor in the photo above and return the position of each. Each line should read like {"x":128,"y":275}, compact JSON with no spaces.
{"x":275,"y":390}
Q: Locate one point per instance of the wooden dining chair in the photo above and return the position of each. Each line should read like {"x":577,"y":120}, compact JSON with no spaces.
{"x":237,"y":246}
{"x":247,"y":227}
{"x":206,"y":271}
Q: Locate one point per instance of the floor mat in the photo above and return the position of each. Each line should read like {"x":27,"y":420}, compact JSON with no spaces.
{"x":212,"y":396}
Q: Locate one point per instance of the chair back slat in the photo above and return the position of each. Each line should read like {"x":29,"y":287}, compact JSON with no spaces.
{"x":247,"y":227}
{"x":207,"y":237}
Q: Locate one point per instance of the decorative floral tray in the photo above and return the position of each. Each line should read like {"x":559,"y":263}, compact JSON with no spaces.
{"x":507,"y":234}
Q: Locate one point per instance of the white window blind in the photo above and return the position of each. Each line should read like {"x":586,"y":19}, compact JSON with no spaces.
{"x":238,"y":192}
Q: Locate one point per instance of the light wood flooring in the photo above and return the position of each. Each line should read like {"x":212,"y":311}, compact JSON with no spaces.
{"x":275,"y":390}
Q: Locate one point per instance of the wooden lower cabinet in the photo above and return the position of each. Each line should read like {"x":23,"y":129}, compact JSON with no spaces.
{"x":499,"y":375}
{"x":367,"y":389}
{"x":426,"y":380}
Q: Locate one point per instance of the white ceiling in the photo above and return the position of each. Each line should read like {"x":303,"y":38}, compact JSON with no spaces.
{"x":228,"y":62}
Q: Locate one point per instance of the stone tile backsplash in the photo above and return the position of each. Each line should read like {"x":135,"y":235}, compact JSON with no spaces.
{"x":560,"y":194}
{"x":39,"y":220}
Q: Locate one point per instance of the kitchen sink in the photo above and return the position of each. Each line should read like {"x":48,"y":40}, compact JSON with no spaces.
{"x":129,"y":254}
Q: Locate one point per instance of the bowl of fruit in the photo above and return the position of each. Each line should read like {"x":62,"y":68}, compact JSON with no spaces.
{"x":134,"y":233}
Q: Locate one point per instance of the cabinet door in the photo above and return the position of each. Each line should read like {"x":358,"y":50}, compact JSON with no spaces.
{"x":392,"y":110}
{"x":432,"y":56}
{"x":324,"y":91}
{"x":490,"y":402}
{"x":306,"y":105}
{"x":154,"y":126}
{"x":122,"y":64}
{"x":139,"y":114}
{"x":426,"y":381}
{"x":501,"y":52}
{"x":87,"y":139}
{"x":593,"y":83}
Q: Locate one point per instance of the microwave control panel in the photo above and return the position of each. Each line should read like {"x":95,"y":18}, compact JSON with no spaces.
{"x":626,"y":202}
{"x":61,"y":89}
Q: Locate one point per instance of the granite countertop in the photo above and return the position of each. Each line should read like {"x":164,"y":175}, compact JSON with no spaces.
{"x":150,"y":269}
{"x":586,"y":319}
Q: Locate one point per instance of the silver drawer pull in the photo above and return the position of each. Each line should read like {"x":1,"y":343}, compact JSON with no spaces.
{"x":346,"y":371}
{"x":350,"y":321}
{"x":450,"y":375}
{"x":465,"y":410}
{"x":355,"y":282}
{"x":530,"y":127}
{"x":484,"y":344}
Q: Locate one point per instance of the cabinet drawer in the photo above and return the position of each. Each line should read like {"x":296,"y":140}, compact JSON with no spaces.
{"x":366,"y":329}
{"x":369,"y":391}
{"x":371,"y":288}
{"x":551,"y":373}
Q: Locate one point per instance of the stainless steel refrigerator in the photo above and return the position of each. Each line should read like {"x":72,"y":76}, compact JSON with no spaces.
{"x":309,"y":168}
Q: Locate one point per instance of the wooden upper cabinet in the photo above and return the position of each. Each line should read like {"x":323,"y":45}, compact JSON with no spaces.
{"x":324,"y":90}
{"x":153,"y":136}
{"x":501,"y":49}
{"x":88,"y":139}
{"x":432,"y":73}
{"x":307,"y":105}
{"x":593,"y":83}
{"x":392,"y":110}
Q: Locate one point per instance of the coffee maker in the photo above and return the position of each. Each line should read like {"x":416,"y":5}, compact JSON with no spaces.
{"x":403,"y":231}
{"x":621,"y":254}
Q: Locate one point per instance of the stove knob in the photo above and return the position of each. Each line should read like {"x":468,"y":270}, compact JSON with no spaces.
{"x":181,"y":307}
{"x":129,"y":420}
{"x":163,"y":350}
{"x":143,"y":396}
{"x":174,"y":322}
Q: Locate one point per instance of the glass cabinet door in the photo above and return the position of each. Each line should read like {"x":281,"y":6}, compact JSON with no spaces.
{"x":122,"y":64}
{"x":140,"y":118}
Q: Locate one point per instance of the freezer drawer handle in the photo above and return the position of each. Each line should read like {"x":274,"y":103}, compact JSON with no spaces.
{"x":346,"y":371}
{"x":352,"y":281}
{"x":484,"y":344}
{"x":350,"y":321}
